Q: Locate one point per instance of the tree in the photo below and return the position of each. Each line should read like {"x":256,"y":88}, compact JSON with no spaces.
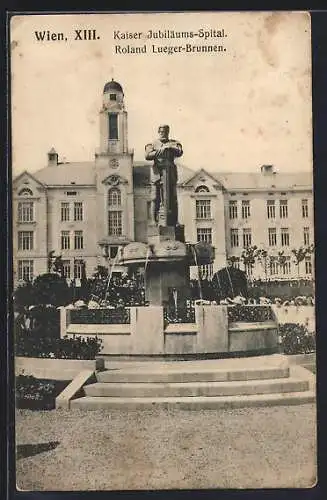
{"x":249,"y":256}
{"x":52,"y":289}
{"x":24,"y":296}
{"x":281,"y":258}
{"x":299,"y":255}
{"x":263,"y":258}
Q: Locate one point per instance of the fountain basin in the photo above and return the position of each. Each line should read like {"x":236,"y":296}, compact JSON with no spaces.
{"x":165,"y":251}
{"x":148,"y":334}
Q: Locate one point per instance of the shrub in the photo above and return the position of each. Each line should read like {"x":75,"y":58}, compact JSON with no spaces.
{"x":29,"y":345}
{"x":296,"y":339}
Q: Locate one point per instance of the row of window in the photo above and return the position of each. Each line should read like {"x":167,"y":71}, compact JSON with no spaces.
{"x":78,"y":240}
{"x":203,"y":208}
{"x":235,"y":240}
{"x":26,"y":240}
{"x":67,"y":212}
{"x":76,"y":209}
{"x":271,"y":209}
{"x":276,"y":268}
{"x":74,"y":240}
{"x":272,"y":237}
{"x":26,"y":269}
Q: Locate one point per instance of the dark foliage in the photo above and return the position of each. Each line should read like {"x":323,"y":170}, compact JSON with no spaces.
{"x":229,"y":282}
{"x":120,"y":315}
{"x":45,"y":346}
{"x":243,"y":313}
{"x":296,"y":339}
{"x":181,"y":315}
{"x":37,"y":394}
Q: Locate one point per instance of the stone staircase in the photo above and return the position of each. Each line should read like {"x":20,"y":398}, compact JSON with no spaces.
{"x":205,"y":384}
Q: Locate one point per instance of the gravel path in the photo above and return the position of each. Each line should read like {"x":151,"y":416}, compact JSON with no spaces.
{"x":165,"y":449}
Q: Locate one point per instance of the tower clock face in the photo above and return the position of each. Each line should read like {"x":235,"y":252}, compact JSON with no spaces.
{"x":114,"y":163}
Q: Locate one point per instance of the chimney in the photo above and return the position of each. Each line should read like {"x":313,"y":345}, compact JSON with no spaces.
{"x":267,"y":169}
{"x":52,"y":157}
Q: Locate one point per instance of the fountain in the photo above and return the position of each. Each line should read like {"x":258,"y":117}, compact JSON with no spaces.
{"x":166,"y":257}
{"x":157,"y":332}
{"x":169,"y":325}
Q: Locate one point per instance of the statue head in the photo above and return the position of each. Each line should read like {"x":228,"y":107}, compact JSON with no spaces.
{"x":163,"y":131}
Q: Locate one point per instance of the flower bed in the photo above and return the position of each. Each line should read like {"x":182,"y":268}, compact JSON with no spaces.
{"x":37,"y":394}
{"x":100,"y":316}
{"x":181,"y":315}
{"x":296,"y":339}
{"x":65,"y":348}
{"x":249,"y":314}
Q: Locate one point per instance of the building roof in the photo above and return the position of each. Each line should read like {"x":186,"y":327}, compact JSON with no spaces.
{"x":257,"y":180}
{"x":113,"y":86}
{"x":83,"y":173}
{"x":141,"y":172}
{"x":63,"y":174}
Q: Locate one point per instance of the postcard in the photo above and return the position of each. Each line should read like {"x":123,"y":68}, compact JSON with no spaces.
{"x":163,"y":251}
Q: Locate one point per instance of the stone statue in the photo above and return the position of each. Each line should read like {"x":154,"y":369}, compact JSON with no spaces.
{"x":164,"y":177}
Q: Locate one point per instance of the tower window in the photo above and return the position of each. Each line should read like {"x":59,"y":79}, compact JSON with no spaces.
{"x":112,"y":97}
{"x":114,"y":197}
{"x":115,"y":227}
{"x":113,"y":126}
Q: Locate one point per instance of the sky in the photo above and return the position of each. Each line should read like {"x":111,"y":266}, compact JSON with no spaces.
{"x":232,"y":111}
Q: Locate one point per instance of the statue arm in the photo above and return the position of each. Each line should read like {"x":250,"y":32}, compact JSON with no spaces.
{"x":150,"y":152}
{"x":177,"y":149}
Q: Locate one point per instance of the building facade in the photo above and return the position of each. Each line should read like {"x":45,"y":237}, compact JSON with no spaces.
{"x":84,"y":211}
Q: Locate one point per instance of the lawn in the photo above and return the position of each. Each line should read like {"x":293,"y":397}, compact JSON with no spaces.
{"x":166,"y":449}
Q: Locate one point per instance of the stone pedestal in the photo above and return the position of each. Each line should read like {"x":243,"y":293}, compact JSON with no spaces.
{"x":167,"y":275}
{"x":157,"y":234}
{"x":161,"y":278}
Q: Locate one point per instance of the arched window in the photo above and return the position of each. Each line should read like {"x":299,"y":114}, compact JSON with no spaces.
{"x":25,"y":192}
{"x":202,"y":189}
{"x":114,"y":197}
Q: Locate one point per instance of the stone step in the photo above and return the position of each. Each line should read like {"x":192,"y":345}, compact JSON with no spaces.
{"x":195,"y":389}
{"x":194,"y":403}
{"x":169,"y":375}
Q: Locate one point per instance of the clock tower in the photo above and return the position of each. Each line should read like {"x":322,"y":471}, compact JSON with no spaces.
{"x":114,"y":173}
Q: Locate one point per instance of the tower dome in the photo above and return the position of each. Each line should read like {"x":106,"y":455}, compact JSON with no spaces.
{"x":113,"y":87}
